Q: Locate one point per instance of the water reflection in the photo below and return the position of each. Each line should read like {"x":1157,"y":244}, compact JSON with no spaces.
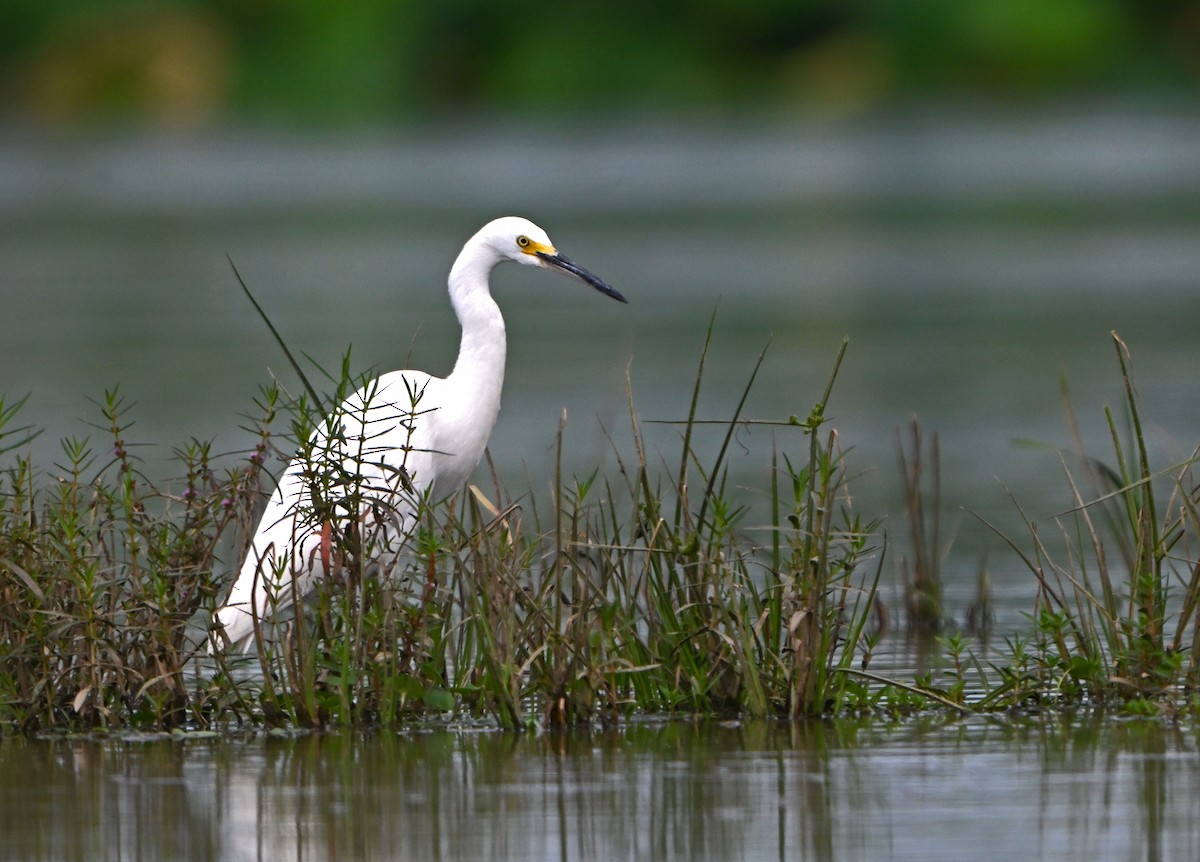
{"x":1036,"y":789}
{"x":969,"y":262}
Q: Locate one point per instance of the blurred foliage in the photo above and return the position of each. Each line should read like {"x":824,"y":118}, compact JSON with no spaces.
{"x":190,"y":61}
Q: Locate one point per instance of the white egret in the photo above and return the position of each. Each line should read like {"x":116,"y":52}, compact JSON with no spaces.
{"x":405,"y":437}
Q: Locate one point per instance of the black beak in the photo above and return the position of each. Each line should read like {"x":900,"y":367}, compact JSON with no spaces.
{"x":557,"y":261}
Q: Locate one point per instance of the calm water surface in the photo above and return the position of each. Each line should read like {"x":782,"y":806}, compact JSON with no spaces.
{"x":971,"y":261}
{"x":1044,"y":789}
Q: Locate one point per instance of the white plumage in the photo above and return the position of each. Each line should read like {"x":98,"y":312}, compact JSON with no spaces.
{"x":404,"y":436}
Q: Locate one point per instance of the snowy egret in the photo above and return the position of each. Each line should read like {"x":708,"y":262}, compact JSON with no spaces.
{"x":404,"y":438}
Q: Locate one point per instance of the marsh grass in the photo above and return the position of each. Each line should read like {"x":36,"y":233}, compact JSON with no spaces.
{"x":651,"y":590}
{"x":639,"y":595}
{"x":920,"y":473}
{"x":101,"y":574}
{"x":1118,"y":579}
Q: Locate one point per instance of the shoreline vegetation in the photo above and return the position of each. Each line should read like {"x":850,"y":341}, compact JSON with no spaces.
{"x":642,"y":592}
{"x":196,"y":62}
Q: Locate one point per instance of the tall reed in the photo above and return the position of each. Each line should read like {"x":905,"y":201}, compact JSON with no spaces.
{"x":654,"y":597}
{"x":922,"y":572}
{"x":1115,"y":612}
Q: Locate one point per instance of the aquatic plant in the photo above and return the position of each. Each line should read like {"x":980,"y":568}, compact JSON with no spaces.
{"x":922,"y":573}
{"x":631,"y":596}
{"x":648,"y":591}
{"x":1114,"y":618}
{"x":636,"y":595}
{"x":100,"y":572}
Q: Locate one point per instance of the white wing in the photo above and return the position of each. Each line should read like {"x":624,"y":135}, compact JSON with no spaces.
{"x":367,"y":467}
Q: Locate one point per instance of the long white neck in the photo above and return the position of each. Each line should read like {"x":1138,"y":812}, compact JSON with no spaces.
{"x":478,"y":374}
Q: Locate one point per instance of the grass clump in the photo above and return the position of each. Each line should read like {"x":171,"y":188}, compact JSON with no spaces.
{"x":688,"y":613}
{"x":639,"y":595}
{"x":654,"y":590}
{"x":1115,"y":615}
{"x":100,"y":574}
{"x":630,"y":596}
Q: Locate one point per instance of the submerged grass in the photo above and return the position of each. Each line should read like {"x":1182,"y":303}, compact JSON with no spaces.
{"x":643,"y":592}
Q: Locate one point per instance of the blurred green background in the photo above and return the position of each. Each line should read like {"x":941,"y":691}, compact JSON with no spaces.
{"x":321,"y":61}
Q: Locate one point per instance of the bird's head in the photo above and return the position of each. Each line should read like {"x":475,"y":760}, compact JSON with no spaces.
{"x":520,"y":240}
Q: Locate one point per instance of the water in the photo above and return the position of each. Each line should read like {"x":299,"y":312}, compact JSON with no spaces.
{"x":971,"y":260}
{"x":1037,"y":789}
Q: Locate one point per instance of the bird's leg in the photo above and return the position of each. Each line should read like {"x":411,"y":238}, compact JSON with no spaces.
{"x":430,"y":577}
{"x":327,"y":547}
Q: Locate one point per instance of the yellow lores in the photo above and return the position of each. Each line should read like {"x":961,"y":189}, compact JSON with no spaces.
{"x":530,"y":247}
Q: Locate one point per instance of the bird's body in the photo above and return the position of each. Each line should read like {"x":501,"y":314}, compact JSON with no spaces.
{"x":404,"y":437}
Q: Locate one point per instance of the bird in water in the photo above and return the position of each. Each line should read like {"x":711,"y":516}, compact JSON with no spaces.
{"x":403,"y":439}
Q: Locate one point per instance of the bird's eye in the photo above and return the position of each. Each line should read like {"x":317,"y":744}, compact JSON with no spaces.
{"x":523,"y":241}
